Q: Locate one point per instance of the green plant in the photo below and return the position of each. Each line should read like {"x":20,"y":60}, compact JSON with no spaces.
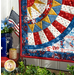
{"x":49,"y":72}
{"x":6,"y":26}
{"x":41,"y":71}
{"x":6,"y":73}
{"x":60,"y":73}
{"x":20,"y":74}
{"x":21,"y":67}
{"x":35,"y":70}
{"x":71,"y":69}
{"x":53,"y":74}
{"x":31,"y":70}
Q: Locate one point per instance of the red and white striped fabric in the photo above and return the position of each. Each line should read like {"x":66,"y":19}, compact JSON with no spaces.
{"x":16,"y":27}
{"x":60,"y":24}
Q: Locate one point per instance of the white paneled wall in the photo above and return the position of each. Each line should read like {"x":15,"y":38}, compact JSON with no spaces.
{"x":63,"y":65}
{"x":36,"y":62}
{"x":48,"y":63}
{"x":4,"y":9}
{"x":6,"y":6}
{"x":15,"y":5}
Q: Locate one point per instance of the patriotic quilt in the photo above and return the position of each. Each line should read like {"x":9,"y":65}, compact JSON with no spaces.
{"x":47,"y":29}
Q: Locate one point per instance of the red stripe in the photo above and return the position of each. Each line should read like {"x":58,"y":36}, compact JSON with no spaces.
{"x":13,"y":23}
{"x":20,"y":27}
{"x":17,"y":34}
{"x":48,"y":34}
{"x":16,"y":29}
{"x":17,"y":26}
{"x":45,"y":58}
{"x":68,"y":2}
{"x":37,"y":38}
{"x":58,"y":26}
{"x":66,"y":15}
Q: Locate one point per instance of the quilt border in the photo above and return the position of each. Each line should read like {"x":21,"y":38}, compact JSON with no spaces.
{"x":34,"y":56}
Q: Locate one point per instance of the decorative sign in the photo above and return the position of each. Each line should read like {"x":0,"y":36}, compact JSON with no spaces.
{"x":10,"y":65}
{"x":47,"y":29}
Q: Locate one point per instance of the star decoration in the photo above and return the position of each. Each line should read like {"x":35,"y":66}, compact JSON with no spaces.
{"x":69,"y":28}
{"x":33,"y":21}
{"x":57,"y":38}
{"x":7,"y":41}
{"x":1,"y":48}
{"x":47,"y":7}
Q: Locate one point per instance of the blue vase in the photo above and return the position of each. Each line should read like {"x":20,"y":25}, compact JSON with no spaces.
{"x":9,"y":41}
{"x":3,"y":47}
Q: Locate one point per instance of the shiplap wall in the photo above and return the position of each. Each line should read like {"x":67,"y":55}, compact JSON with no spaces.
{"x":4,"y":9}
{"x":6,"y":6}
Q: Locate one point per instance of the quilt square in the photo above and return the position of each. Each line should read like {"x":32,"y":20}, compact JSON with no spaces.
{"x":47,"y":29}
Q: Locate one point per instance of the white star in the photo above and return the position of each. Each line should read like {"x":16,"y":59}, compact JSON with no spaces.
{"x":58,"y":38}
{"x":33,"y":21}
{"x":25,"y":19}
{"x":7,"y":41}
{"x":53,"y":43}
{"x":69,"y":28}
{"x":1,"y":48}
{"x":47,"y":7}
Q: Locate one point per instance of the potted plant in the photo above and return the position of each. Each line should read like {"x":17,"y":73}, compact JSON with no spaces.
{"x":6,"y":26}
{"x":6,"y":32}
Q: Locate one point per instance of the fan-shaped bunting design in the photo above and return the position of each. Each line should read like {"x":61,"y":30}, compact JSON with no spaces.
{"x":43,"y":24}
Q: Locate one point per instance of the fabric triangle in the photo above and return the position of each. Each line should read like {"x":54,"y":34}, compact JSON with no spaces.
{"x":29,"y":10}
{"x":34,"y":6}
{"x":29,"y":30}
{"x":57,"y":9}
{"x":36,"y":28}
{"x":55,"y":3}
{"x":52,"y":12}
{"x":60,"y":1}
{"x":39,"y":24}
{"x":46,"y":19}
{"x":31,"y":26}
{"x":45,"y":24}
{"x":52,"y":17}
{"x":39,"y":2}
